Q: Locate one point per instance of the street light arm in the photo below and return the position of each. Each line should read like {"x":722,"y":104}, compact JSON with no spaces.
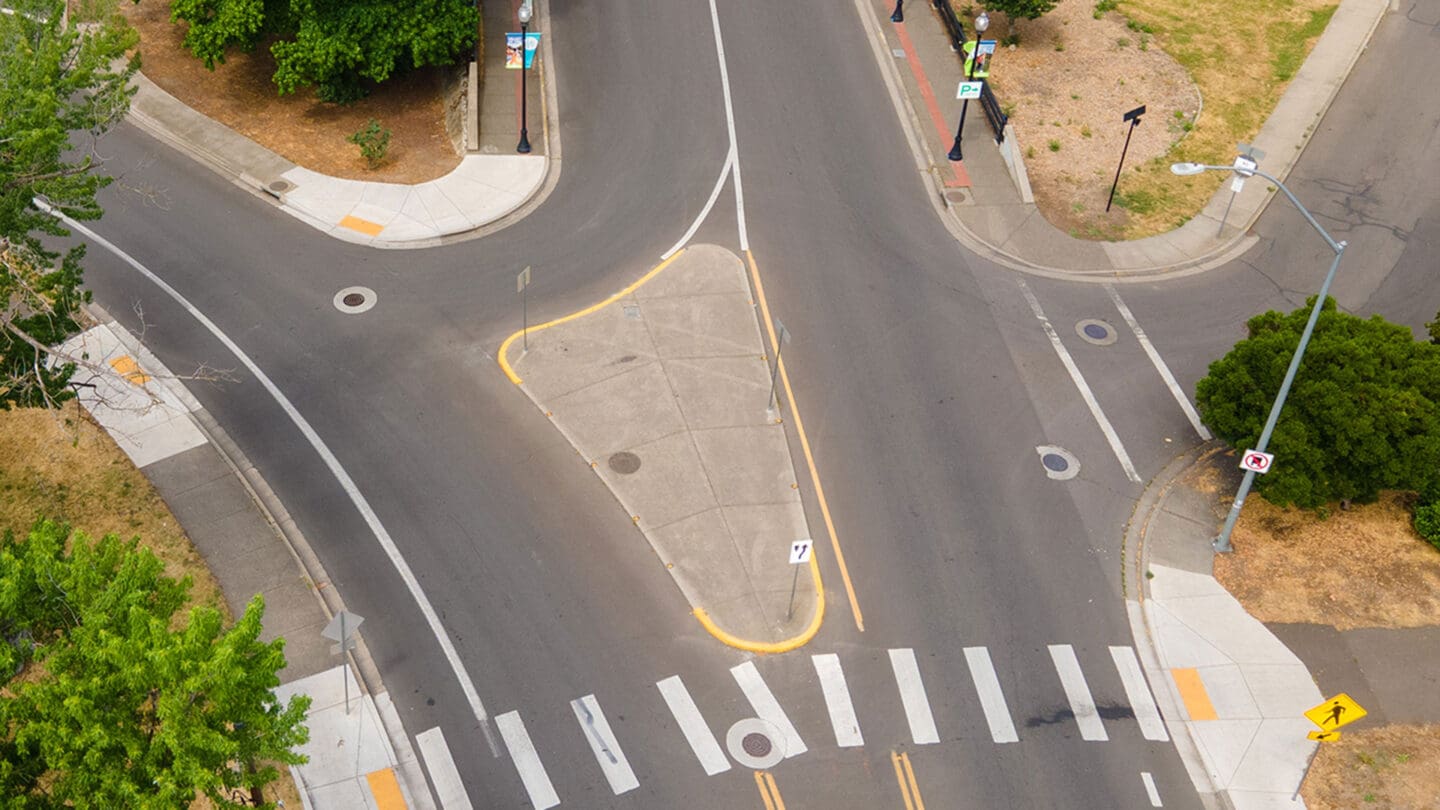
{"x":1305,"y":212}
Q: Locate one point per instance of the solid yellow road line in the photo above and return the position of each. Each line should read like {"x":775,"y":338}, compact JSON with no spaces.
{"x":774,"y":789}
{"x":1192,"y":691}
{"x":503,"y":355}
{"x":764,"y":791}
{"x":767,"y":648}
{"x":914,"y":785}
{"x":900,"y":780}
{"x":385,"y":789}
{"x":805,"y":446}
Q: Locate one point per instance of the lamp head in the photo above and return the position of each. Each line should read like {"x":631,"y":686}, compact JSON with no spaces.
{"x":1186,"y":169}
{"x":982,"y":22}
{"x":524,"y":12}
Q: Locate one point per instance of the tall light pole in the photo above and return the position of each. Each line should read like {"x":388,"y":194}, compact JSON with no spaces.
{"x":899,"y":14}
{"x":981,"y":23}
{"x":524,"y":14}
{"x":1245,"y":167}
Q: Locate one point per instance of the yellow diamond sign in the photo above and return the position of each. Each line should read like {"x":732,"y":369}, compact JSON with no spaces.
{"x":1324,"y":736}
{"x":1335,"y":712}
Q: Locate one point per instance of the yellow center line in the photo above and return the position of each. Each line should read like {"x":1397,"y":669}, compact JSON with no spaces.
{"x":900,"y":780}
{"x":764,"y":790}
{"x":805,"y":446}
{"x":775,"y":789}
{"x":905,"y":777}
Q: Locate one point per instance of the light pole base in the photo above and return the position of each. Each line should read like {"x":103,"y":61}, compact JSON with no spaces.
{"x":1222,"y":545}
{"x":524,"y":147}
{"x":955,"y":152}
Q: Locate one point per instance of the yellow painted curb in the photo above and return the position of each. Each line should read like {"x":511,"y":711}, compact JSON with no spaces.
{"x":503,"y":355}
{"x":779,"y":646}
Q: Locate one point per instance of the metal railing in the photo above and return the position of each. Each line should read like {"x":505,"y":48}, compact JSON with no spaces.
{"x":993,"y":113}
{"x":953,"y":27}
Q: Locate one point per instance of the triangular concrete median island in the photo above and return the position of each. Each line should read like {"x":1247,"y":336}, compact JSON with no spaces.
{"x":665,"y":391}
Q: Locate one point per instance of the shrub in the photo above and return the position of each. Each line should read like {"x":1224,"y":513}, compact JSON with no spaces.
{"x":1427,"y":522}
{"x":374,"y":142}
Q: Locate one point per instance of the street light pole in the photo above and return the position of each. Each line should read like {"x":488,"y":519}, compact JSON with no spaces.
{"x":899,"y":13}
{"x":1222,"y":541}
{"x":981,"y":23}
{"x":524,"y":14}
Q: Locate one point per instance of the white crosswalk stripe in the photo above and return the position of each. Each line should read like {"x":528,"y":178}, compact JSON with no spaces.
{"x":912,"y":696}
{"x":1082,"y":705}
{"x":837,"y":700}
{"x":992,"y":700}
{"x":444,"y":776}
{"x":766,"y":707}
{"x":602,"y":741}
{"x":692,"y":725}
{"x":1138,"y":693}
{"x":527,"y":761}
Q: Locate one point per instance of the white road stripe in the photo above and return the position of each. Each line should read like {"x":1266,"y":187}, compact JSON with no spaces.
{"x":1159,"y":364}
{"x":912,"y":695}
{"x":992,"y":700}
{"x":766,"y":707}
{"x":1067,"y":666}
{"x":692,"y":725}
{"x":602,"y":741}
{"x":1085,"y":393}
{"x":527,"y":761}
{"x":837,"y":700}
{"x":704,"y":212}
{"x":382,"y":535}
{"x":1138,"y":693}
{"x":1150,"y":789}
{"x":444,"y":776}
{"x":730,"y":127}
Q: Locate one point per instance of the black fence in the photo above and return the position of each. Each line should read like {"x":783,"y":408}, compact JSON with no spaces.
{"x":952,"y":24}
{"x":993,"y":113}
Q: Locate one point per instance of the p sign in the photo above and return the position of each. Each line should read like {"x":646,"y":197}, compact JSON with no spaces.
{"x":1256,"y":461}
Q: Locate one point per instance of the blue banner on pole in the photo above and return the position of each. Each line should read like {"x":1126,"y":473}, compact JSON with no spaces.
{"x":512,"y":50}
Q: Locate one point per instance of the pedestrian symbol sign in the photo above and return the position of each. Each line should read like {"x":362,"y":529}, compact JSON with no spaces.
{"x":1324,"y":736}
{"x":1338,"y":711}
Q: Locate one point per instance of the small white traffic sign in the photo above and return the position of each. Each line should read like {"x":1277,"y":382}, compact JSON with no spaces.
{"x":1256,"y":461}
{"x":969,"y":90}
{"x":1245,"y":165}
{"x":800,"y":551}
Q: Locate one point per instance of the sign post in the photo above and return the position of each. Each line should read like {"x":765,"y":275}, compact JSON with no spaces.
{"x":782,"y":336}
{"x":342,"y":629}
{"x":1341,"y":710}
{"x":1251,"y":156}
{"x":1134,"y":118}
{"x":522,"y":283}
{"x":800,"y":552}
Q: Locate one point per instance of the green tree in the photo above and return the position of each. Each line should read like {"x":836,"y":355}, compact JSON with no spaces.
{"x":335,"y":45}
{"x":1363,"y":413}
{"x":61,"y":85}
{"x":130,"y":704}
{"x":1021,"y":9}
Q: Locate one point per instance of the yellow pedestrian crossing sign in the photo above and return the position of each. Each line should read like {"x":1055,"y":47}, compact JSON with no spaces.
{"x":1335,"y":712}
{"x":1324,"y":736}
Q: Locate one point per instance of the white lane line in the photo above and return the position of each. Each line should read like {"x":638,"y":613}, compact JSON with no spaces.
{"x":1082,"y":705}
{"x":602,"y":741}
{"x":693,"y":726}
{"x":766,"y":707}
{"x":837,"y":700}
{"x":1085,"y":393}
{"x":1159,"y":364}
{"x":382,"y":536}
{"x":444,"y":776}
{"x":1150,"y":789}
{"x":912,"y":696}
{"x":730,"y":127}
{"x":704,"y":212}
{"x":992,"y":700}
{"x":1142,"y":703}
{"x":527,"y":761}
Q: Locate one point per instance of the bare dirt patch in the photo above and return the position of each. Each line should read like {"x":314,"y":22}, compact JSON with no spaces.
{"x":241,"y":95}
{"x":1389,"y":768}
{"x":1362,"y":567}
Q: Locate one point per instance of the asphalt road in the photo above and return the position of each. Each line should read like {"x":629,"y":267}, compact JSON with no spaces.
{"x":924,"y":375}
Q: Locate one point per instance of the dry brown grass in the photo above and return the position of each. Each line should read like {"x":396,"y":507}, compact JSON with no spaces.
{"x":63,"y":466}
{"x":1364,"y":567}
{"x":1240,"y":70}
{"x":1388,"y":768}
{"x":241,"y":95}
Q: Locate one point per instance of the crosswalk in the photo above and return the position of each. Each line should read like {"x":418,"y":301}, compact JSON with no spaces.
{"x":710,"y":753}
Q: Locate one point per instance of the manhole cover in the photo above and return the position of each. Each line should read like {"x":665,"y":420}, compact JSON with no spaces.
{"x":355,"y":300}
{"x":756,"y":744}
{"x":624,"y":463}
{"x":280,"y":186}
{"x":1060,"y":464}
{"x":956,"y":195}
{"x":1098,"y":332}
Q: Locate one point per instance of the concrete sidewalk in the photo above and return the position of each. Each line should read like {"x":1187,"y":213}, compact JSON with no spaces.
{"x":253,"y":547}
{"x":664,"y":390}
{"x":992,"y":211}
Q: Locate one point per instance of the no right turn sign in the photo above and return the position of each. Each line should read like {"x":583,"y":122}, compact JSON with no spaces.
{"x":1256,"y":461}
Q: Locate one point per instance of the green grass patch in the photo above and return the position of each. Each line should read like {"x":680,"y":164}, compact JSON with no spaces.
{"x":1289,"y":41}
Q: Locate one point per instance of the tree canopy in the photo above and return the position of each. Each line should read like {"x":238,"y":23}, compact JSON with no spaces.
{"x":112,"y":699}
{"x":1363,"y":413}
{"x":1021,"y":9}
{"x":64,"y":87}
{"x":335,"y":45}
